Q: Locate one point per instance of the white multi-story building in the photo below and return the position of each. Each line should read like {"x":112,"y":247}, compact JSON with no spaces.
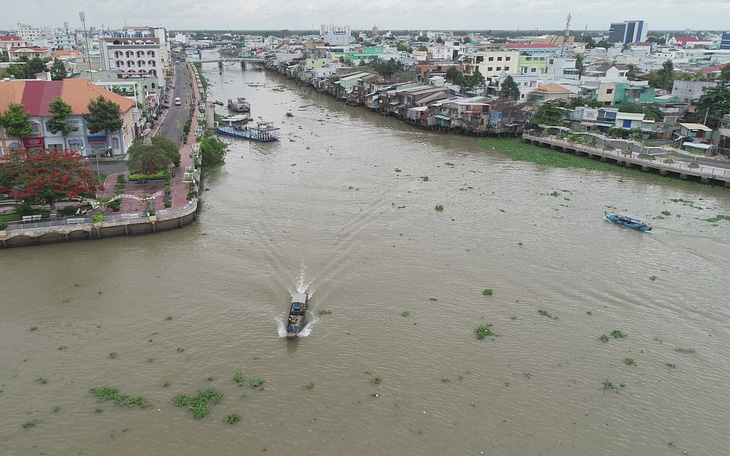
{"x":28,"y":33}
{"x":492,"y":64}
{"x":335,"y":35}
{"x":136,"y":52}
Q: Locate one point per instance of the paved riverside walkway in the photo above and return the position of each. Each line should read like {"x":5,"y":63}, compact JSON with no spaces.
{"x":179,"y":189}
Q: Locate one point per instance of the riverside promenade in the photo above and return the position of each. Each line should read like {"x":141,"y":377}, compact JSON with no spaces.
{"x":131,"y":218}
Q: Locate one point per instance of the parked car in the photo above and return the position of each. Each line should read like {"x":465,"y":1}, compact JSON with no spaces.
{"x":177,"y":101}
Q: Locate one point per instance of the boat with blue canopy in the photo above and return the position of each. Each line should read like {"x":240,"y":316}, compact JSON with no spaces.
{"x":297,"y":314}
{"x":236,"y":127}
{"x":628,"y":220}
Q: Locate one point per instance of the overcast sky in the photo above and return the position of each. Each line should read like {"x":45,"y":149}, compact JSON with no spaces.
{"x":386,"y":14}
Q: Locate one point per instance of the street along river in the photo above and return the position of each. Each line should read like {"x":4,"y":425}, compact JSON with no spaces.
{"x":344,"y":205}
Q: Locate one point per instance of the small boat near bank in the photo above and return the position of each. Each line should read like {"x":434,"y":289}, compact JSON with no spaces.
{"x":628,"y":220}
{"x":297,"y":314}
{"x":235,"y":127}
{"x":239,"y":105}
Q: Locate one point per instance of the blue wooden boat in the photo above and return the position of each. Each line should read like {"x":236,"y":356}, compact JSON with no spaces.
{"x":235,"y":128}
{"x":297,"y":314}
{"x":628,"y":220}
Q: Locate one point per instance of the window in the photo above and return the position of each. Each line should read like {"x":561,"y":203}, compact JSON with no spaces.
{"x":499,"y":59}
{"x":506,"y":59}
{"x":35,"y":127}
{"x":55,"y":146}
{"x":489,"y":68}
{"x":506,"y":68}
{"x":609,"y":91}
{"x":534,"y":70}
{"x":499,"y":68}
{"x":491,"y":59}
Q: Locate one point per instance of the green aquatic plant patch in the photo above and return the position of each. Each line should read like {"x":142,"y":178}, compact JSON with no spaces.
{"x":198,"y":404}
{"x":106,"y":393}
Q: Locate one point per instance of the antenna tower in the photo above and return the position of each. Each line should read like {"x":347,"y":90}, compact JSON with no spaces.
{"x":566,"y":37}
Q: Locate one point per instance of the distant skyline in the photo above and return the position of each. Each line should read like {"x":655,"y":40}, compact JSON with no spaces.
{"x":527,"y":15}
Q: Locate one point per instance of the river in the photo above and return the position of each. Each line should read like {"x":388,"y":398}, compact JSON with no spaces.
{"x":341,"y":207}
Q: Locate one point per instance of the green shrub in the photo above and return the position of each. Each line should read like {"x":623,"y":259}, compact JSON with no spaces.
{"x":115,"y":205}
{"x":3,"y":225}
{"x":97,"y":218}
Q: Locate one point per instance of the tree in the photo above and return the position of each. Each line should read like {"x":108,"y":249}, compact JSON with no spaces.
{"x":170,"y":148}
{"x":548,"y":113}
{"x":476,"y":79}
{"x":603,"y":44}
{"x":713,"y":104}
{"x":460,"y":79}
{"x":17,"y":71}
{"x":725,"y":73}
{"x":631,"y":73}
{"x":34,"y":67}
{"x":422,"y":48}
{"x":15,"y":121}
{"x":212,"y":152}
{"x":575,"y":102}
{"x":580,"y":65}
{"x":50,"y":176}
{"x":60,"y":110}
{"x":466,"y":40}
{"x":664,"y":77}
{"x":58,"y":70}
{"x":451,"y":73}
{"x":440,"y":40}
{"x":144,"y":157}
{"x":104,"y":115}
{"x":510,"y":90}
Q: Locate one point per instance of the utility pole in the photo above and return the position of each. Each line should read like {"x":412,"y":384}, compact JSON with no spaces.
{"x":82,"y":16}
{"x":566,"y":37}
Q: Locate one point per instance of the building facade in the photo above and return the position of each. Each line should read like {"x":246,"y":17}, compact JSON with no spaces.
{"x":132,"y":56}
{"x":35,"y":97}
{"x":335,"y":35}
{"x":627,"y":32}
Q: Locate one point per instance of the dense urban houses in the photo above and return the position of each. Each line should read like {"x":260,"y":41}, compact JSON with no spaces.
{"x":35,"y":97}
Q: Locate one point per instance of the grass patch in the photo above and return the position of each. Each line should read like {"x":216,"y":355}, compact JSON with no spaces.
{"x":544,"y":313}
{"x":488,"y":292}
{"x":439,"y":208}
{"x":325,"y":312}
{"x":671,"y":366}
{"x":445,"y":380}
{"x":424,"y":178}
{"x":180,"y":349}
{"x":603,"y":338}
{"x":198,"y":404}
{"x":653,"y":278}
{"x":168,"y":318}
{"x":377,"y":380}
{"x":112,"y":355}
{"x":33,"y":328}
{"x":616,"y":334}
{"x":630,"y":362}
{"x":528,"y":375}
{"x":238,"y":378}
{"x":42,"y":381}
{"x":515,"y":149}
{"x":718,"y":218}
{"x":405,"y":313}
{"x":255,"y":383}
{"x":30,"y":424}
{"x":56,"y":409}
{"x":608,"y":385}
{"x":106,"y":393}
{"x":684,"y":350}
{"x":166,"y":384}
{"x":62,"y":347}
{"x":233,"y":418}
{"x":309,"y":385}
{"x":666,"y":213}
{"x":99,"y":410}
{"x":484,"y":331}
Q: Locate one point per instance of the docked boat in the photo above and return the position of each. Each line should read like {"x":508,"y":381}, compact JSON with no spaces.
{"x":297,"y":315}
{"x":628,"y":220}
{"x":262,"y":132}
{"x":239,"y":105}
{"x":219,"y":103}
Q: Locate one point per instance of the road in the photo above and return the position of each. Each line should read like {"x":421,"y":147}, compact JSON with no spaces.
{"x":174,"y":119}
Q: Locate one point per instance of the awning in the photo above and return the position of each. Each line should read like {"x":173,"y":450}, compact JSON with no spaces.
{"x":585,"y":123}
{"x":439,"y":116}
{"x":724,"y":131}
{"x":393,"y":103}
{"x":697,"y":145}
{"x":604,"y":124}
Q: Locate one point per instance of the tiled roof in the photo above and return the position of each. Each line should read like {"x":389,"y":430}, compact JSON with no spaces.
{"x":36,"y":95}
{"x":28,"y":48}
{"x":10,"y":38}
{"x":553,"y":88}
{"x":532,"y":46}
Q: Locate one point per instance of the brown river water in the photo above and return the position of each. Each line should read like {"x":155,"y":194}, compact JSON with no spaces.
{"x":339,"y":207}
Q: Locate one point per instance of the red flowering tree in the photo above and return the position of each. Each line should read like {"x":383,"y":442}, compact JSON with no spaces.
{"x":50,"y":175}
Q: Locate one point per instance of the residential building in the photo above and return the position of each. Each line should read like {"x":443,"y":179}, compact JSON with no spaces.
{"x":549,"y":92}
{"x":627,"y":32}
{"x":688,"y":42}
{"x":11,"y":42}
{"x":335,"y":35}
{"x":690,"y":91}
{"x":606,"y":73}
{"x":30,"y":53}
{"x":721,"y":136}
{"x":28,"y":33}
{"x":35,"y":97}
{"x":491,"y":64}
{"x":539,"y":50}
{"x":561,"y":67}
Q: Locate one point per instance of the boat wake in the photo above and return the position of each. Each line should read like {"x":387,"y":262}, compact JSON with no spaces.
{"x":305,"y":332}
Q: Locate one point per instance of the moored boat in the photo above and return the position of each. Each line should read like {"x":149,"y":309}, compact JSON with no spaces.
{"x":628,"y":220}
{"x":262,"y":132}
{"x":297,"y":315}
{"x":239,"y":105}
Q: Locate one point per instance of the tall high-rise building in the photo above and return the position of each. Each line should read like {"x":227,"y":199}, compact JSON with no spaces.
{"x":335,"y":35}
{"x":375,"y":30}
{"x":627,"y":32}
{"x":725,"y":41}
